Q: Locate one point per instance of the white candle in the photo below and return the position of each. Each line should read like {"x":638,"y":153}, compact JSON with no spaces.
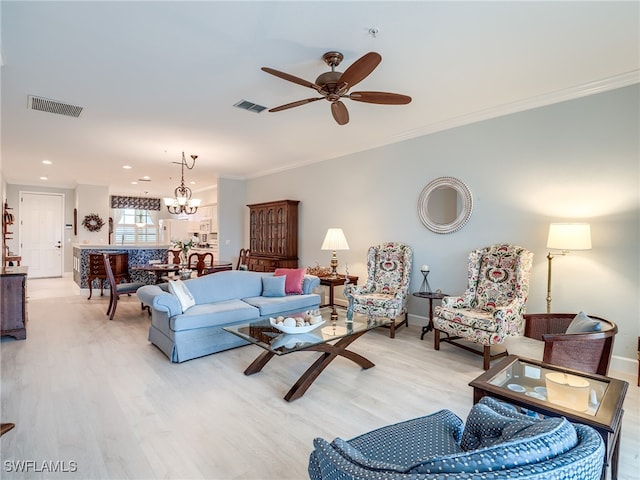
{"x":424,"y":268}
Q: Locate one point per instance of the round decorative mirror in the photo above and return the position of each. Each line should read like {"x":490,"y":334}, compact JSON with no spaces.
{"x":445,"y":205}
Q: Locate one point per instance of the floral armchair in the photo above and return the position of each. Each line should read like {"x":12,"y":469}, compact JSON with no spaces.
{"x":387,"y":289}
{"x":493,"y":305}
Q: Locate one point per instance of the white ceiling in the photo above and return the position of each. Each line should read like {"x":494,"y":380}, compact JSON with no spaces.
{"x":158,"y":78}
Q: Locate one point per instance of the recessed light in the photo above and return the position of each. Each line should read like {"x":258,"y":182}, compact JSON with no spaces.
{"x":127,"y":167}
{"x":146,"y":177}
{"x":44,"y":178}
{"x":47,"y":162}
{"x":192,"y":182}
{"x":134,"y":183}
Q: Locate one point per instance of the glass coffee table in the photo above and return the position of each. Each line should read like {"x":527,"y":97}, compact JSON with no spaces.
{"x":331,"y":339}
{"x":590,"y":399}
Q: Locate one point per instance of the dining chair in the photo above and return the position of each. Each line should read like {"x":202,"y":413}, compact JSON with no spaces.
{"x":243,"y":259}
{"x":201,"y":262}
{"x":173,"y":256}
{"x":117,"y":289}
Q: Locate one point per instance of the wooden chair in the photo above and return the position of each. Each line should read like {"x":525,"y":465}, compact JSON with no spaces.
{"x":173,"y":256}
{"x":588,"y":352}
{"x":5,"y":427}
{"x":201,"y":262}
{"x":243,"y":258}
{"x":117,"y":289}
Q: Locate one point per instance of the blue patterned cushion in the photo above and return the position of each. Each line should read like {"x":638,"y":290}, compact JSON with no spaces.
{"x":411,"y":446}
{"x":501,"y":439}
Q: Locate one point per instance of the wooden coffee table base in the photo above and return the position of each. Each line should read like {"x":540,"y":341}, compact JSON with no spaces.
{"x":329,"y":353}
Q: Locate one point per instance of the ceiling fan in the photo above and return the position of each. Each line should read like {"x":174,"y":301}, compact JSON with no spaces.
{"x":334,"y":86}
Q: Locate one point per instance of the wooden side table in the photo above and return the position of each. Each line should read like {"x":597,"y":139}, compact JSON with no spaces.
{"x":431,"y":296}
{"x":331,"y":282}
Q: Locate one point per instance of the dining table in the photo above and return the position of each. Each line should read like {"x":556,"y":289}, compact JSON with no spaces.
{"x":159,"y":269}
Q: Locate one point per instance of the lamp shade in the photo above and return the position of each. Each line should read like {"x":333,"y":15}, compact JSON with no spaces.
{"x":569,"y":236}
{"x":335,"y":240}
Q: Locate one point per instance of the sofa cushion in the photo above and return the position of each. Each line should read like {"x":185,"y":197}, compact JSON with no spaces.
{"x":279,"y":305}
{"x":295,"y":277}
{"x":180,"y":290}
{"x":212,"y":314}
{"x":273,"y":286}
{"x":581,"y":323}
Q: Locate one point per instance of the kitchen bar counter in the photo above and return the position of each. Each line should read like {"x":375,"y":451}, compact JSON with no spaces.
{"x":137,"y":255}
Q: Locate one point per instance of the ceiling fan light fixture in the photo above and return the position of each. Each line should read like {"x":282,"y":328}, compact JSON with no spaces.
{"x":333,"y":86}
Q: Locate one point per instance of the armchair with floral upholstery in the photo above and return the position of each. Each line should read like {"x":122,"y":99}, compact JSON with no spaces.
{"x":493,"y":305}
{"x":387,"y":289}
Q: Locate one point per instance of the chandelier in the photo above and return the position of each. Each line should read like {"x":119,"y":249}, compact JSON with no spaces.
{"x":182,"y":201}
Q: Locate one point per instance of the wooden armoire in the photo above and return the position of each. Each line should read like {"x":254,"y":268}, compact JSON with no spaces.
{"x":273,"y":235}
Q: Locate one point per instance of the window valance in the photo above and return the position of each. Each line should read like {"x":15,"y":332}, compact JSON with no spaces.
{"x":141,"y":203}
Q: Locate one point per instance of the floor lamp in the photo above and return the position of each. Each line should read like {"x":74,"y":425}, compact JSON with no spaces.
{"x":565,"y":237}
{"x":334,"y":240}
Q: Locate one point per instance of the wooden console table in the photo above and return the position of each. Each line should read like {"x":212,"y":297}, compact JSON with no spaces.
{"x":13,"y":302}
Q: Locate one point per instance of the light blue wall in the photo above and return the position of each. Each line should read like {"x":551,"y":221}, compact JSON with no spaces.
{"x":573,"y":161}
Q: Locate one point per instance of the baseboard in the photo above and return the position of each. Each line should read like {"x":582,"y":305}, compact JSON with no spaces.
{"x":625,"y":366}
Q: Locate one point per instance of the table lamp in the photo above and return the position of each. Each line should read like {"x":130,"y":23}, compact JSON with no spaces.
{"x":334,"y":240}
{"x":565,"y":237}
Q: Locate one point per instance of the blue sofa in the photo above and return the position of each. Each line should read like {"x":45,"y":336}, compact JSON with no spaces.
{"x":497,"y":442}
{"x":222,"y":299}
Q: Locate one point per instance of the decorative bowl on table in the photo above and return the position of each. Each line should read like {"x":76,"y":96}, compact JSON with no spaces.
{"x":299,"y":324}
{"x":185,"y":274}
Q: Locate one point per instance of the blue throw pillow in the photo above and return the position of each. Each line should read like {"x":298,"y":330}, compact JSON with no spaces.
{"x":273,"y":286}
{"x":581,"y":323}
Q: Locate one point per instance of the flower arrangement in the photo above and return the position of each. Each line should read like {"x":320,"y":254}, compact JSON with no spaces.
{"x":184,"y":246}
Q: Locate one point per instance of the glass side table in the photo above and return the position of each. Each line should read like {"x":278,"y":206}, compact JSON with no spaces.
{"x":522,"y":382}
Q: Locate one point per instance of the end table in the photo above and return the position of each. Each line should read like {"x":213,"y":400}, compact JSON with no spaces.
{"x":329,"y":281}
{"x":431,"y":296}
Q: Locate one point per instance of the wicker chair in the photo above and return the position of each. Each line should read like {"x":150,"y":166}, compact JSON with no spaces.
{"x":588,"y":352}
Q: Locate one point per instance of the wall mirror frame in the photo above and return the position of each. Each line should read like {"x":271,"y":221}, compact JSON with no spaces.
{"x":463,"y":207}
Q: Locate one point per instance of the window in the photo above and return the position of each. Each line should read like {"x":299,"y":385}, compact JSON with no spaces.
{"x":132,"y":226}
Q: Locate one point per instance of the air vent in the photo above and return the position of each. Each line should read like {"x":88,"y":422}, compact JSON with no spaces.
{"x":252,"y":107}
{"x":53,"y":106}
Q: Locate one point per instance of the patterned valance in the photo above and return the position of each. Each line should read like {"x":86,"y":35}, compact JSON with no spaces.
{"x":141,"y":203}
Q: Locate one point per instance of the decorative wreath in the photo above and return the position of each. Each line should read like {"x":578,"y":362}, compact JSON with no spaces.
{"x":92,"y":222}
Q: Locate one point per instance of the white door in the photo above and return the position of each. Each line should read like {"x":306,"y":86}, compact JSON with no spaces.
{"x":41,"y":230}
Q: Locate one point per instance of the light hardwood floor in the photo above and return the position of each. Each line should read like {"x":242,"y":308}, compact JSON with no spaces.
{"x":96,"y":397}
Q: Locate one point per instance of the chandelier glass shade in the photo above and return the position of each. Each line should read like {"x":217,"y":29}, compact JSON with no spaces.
{"x":182,"y":201}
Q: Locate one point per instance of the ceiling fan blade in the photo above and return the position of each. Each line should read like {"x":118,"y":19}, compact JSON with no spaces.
{"x":360,"y":69}
{"x":384,"y":98}
{"x":295,"y":104}
{"x":340,"y":112}
{"x":290,"y":78}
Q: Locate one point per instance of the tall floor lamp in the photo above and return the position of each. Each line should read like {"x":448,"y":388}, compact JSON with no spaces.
{"x":565,"y":237}
{"x":334,"y":240}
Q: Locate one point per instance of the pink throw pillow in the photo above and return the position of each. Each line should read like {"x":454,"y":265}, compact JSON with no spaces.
{"x":295,"y":278}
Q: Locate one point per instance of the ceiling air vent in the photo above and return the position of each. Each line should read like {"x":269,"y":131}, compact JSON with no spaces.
{"x":252,"y":107}
{"x":53,"y":106}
